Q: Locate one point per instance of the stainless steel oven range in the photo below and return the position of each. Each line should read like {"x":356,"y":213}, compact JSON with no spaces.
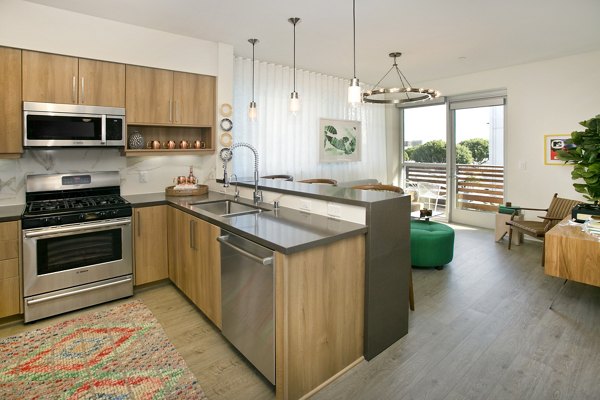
{"x":76,"y":243}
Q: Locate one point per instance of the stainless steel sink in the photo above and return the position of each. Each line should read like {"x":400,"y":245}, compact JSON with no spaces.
{"x":226,"y":208}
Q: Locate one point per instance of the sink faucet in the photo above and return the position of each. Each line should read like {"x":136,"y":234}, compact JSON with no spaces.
{"x":236,"y":194}
{"x":226,"y":155}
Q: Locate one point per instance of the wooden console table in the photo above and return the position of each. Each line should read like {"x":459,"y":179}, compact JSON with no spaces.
{"x":572,"y":254}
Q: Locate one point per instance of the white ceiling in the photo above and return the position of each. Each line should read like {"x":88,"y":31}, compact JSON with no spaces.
{"x":438,"y":38}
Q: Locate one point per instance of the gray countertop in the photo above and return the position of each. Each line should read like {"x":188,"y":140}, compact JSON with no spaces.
{"x":11,"y":213}
{"x":285,"y":230}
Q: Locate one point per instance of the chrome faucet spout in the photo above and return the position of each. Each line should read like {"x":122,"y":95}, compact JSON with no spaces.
{"x":229,"y":154}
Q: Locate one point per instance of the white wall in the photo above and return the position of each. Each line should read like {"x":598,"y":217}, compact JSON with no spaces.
{"x":548,"y":97}
{"x":41,"y":28}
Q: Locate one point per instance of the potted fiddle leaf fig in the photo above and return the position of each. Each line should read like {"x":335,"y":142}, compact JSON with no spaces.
{"x":582,"y":150}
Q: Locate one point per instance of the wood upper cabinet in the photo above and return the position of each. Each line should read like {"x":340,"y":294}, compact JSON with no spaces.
{"x":149,"y":95}
{"x":150,"y":249}
{"x":11,"y":114}
{"x":54,"y":78}
{"x":10,"y":279}
{"x":194,"y":261}
{"x":194,"y":99}
{"x":162,"y":97}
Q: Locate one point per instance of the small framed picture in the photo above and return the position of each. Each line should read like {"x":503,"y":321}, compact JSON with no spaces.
{"x":553,"y":143}
{"x":339,"y":140}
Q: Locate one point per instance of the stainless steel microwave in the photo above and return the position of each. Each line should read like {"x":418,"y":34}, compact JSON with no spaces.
{"x":70,"y":125}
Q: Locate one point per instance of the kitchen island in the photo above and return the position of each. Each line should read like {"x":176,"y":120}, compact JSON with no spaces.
{"x":304,"y":242}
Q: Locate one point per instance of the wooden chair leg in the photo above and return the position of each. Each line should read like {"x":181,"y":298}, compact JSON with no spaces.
{"x":509,"y":236}
{"x":411,"y":294}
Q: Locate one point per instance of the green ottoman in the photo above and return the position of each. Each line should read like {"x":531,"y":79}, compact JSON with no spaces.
{"x":431,"y":244}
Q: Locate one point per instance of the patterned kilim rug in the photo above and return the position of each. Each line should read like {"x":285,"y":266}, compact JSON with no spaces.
{"x":122,"y":353}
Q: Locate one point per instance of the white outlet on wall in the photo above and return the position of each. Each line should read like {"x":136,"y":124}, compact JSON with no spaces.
{"x":334,"y":210}
{"x":143,"y":176}
{"x":523,"y":165}
{"x":305,"y":205}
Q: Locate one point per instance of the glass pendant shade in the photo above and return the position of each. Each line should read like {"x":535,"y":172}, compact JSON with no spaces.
{"x":294,"y":102}
{"x":354,"y":93}
{"x":252,"y":113}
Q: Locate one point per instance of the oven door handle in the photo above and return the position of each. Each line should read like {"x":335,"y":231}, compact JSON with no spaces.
{"x":74,"y":292}
{"x":80,"y":228}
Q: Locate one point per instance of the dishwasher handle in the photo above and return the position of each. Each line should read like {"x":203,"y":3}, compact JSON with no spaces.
{"x":263,"y":261}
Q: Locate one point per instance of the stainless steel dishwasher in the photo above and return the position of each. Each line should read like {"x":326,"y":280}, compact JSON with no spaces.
{"x":247,"y":300}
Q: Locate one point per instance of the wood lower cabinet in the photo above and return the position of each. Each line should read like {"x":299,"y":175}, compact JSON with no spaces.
{"x":11,"y":114}
{"x":150,"y":255}
{"x":53,"y":78}
{"x":194,"y":261}
{"x":10,"y":278}
{"x":319,"y":308}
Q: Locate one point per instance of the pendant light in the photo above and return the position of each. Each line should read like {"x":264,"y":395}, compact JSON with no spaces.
{"x":294,"y":100}
{"x":403,"y":94}
{"x":252,"y":107}
{"x":354,"y":95}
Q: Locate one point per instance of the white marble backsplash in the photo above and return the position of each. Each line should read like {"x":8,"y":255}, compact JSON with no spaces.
{"x":159,"y":171}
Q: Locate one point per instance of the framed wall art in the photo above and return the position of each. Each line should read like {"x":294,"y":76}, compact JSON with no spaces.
{"x":339,"y":140}
{"x":553,"y":143}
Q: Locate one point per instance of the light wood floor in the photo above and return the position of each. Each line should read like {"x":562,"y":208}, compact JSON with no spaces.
{"x":482,"y":329}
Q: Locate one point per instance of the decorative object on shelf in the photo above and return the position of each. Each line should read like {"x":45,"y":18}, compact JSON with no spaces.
{"x":170,"y":144}
{"x":153,"y":144}
{"x":398,"y":95}
{"x":252,"y":107}
{"x":226,"y":124}
{"x":294,"y":100}
{"x":226,"y":139}
{"x":184,"y":144}
{"x":191,"y":179}
{"x":225,"y":110}
{"x":339,"y":140}
{"x":136,"y":140}
{"x":354,"y":95}
{"x":198,"y":144}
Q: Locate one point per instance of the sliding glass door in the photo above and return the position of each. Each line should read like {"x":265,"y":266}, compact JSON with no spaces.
{"x":453,"y":157}
{"x":424,"y":157}
{"x":477,"y":130}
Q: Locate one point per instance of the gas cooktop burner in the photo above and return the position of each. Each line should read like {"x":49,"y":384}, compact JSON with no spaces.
{"x":59,"y":199}
{"x":74,"y":204}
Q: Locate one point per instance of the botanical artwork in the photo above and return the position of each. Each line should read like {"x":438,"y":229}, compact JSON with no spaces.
{"x":552,"y":144}
{"x":339,"y":140}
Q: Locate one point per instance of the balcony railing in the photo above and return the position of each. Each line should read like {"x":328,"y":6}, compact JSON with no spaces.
{"x":479,"y":187}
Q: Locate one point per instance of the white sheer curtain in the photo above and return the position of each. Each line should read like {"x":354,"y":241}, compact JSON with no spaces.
{"x":288,"y":144}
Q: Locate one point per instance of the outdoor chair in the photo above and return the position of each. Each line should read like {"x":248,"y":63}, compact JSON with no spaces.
{"x":558,"y":210}
{"x":433,"y":192}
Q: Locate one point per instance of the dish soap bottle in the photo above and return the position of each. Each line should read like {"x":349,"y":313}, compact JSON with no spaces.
{"x":191,"y":179}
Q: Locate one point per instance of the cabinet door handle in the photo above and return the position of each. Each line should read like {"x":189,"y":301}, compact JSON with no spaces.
{"x":170,"y":110}
{"x":82,"y":90}
{"x":192,"y":234}
{"x":74,"y":89}
{"x":138,"y":222}
{"x":177,"y":112}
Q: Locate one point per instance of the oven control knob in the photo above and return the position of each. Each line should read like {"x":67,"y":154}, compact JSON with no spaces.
{"x":57,"y":220}
{"x":82,"y":217}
